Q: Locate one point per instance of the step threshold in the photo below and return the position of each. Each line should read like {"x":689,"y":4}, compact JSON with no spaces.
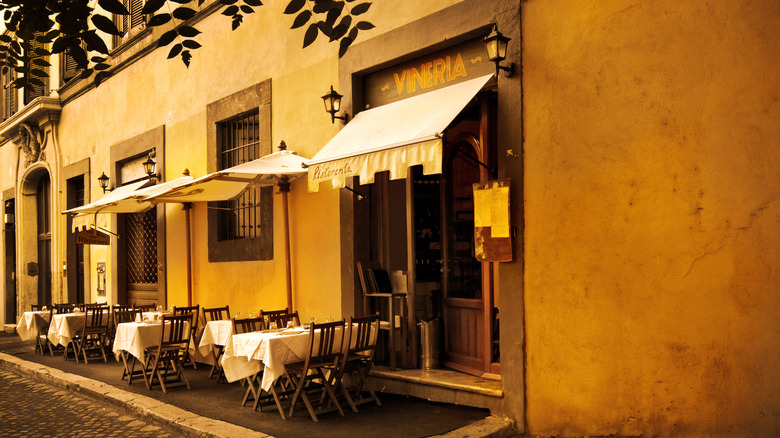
{"x":442,"y":378}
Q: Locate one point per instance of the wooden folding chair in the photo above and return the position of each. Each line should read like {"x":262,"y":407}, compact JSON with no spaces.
{"x":248,"y":325}
{"x":268,"y":314}
{"x":164,"y":363}
{"x":194,"y":313}
{"x":42,"y":340}
{"x":66,"y":308}
{"x":145,"y":307}
{"x":309,"y":378}
{"x":122,"y":315}
{"x":281,"y":319}
{"x":357,"y":360}
{"x":216,"y":313}
{"x":94,"y":334}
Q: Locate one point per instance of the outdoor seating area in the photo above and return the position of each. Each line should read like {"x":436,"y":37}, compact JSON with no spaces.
{"x":285,"y":365}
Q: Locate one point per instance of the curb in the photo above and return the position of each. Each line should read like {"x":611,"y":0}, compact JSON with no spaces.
{"x":188,"y":423}
{"x":155,"y":411}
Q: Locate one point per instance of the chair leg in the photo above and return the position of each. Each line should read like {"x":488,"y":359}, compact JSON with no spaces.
{"x":251,"y":388}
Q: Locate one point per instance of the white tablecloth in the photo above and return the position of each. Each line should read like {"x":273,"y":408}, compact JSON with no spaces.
{"x":135,"y":337}
{"x":215,"y":333}
{"x":30,"y":324}
{"x":248,"y":353}
{"x":63,"y":327}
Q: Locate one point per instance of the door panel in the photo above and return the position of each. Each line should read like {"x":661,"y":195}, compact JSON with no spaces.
{"x":464,"y":334}
{"x":141,"y":258}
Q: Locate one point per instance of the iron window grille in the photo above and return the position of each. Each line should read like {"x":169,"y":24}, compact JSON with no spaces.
{"x":238,"y":141}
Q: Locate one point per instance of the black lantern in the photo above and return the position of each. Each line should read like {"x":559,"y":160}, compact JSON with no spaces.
{"x":332,"y":101}
{"x":149,"y":167}
{"x":103,"y":181}
{"x":496,"y":44}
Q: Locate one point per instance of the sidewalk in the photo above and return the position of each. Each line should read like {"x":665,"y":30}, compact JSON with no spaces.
{"x":213,"y":409}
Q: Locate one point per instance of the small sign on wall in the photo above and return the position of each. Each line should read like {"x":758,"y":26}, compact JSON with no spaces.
{"x":492,"y":231}
{"x":92,"y":237}
{"x":101,"y":279}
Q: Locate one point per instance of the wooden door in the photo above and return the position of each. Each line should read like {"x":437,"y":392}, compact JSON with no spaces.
{"x":464,"y":328}
{"x":43,"y":198}
{"x":141,"y":257}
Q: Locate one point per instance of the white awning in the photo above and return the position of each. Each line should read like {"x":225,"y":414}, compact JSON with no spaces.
{"x":393,"y":137}
{"x":87,"y":221}
{"x":129,"y":198}
{"x":227,"y":184}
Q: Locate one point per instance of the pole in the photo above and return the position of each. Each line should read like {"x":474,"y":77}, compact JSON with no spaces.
{"x":187,"y":206}
{"x":284,"y":188}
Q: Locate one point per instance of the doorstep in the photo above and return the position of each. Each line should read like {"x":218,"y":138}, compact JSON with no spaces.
{"x":9,"y":328}
{"x":439,"y":385}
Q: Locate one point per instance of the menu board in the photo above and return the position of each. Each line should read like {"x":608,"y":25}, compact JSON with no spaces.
{"x":492,"y":230}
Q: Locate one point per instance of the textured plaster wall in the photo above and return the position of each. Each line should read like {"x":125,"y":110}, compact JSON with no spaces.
{"x":155,"y":91}
{"x":652,"y":206}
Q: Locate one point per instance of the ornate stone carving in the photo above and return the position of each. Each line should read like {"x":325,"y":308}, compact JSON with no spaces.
{"x":33,"y":142}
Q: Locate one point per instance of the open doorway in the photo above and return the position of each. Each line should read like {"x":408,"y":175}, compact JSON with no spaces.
{"x":426,"y":223}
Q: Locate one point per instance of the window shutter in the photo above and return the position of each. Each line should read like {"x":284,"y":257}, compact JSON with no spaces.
{"x":136,"y":18}
{"x":9,"y":94}
{"x":69,"y":67}
{"x":37,"y":90}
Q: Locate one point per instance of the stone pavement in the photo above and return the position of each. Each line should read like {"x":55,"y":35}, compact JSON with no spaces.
{"x":213,"y":409}
{"x":32,"y":409}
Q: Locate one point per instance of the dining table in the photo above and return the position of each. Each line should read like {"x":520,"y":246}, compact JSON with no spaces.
{"x":246,"y":354}
{"x":131,"y":341}
{"x":30,"y":324}
{"x":64,"y":327}
{"x":216,"y":335}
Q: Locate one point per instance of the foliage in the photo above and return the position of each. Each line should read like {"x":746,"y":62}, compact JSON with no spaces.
{"x":37,"y":29}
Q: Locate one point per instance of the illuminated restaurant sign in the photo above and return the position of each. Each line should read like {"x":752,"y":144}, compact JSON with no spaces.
{"x":427,"y":73}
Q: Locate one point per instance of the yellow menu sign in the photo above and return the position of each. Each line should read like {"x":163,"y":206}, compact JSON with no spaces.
{"x":492,"y":234}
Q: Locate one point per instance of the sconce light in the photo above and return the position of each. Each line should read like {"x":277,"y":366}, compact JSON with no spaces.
{"x":103,"y":181}
{"x":333,"y":105}
{"x":496,"y":43}
{"x":149,"y":166}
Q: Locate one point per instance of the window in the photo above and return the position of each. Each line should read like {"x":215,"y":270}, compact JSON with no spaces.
{"x":127,"y":23}
{"x":68,"y":67}
{"x":37,"y":90}
{"x":239,"y":142}
{"x":9,"y":94}
{"x":238,"y":131}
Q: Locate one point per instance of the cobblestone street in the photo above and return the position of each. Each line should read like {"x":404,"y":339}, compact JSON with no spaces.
{"x":31,"y":409}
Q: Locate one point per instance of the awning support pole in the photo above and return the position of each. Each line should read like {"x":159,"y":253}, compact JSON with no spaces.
{"x":187,"y":206}
{"x":284,"y":188}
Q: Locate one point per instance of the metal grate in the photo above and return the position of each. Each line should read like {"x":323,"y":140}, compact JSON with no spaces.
{"x":239,"y":142}
{"x":141,"y":233}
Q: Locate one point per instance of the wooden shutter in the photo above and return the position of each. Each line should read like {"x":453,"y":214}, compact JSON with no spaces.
{"x":37,"y":90}
{"x":69,"y":67}
{"x":9,"y":94}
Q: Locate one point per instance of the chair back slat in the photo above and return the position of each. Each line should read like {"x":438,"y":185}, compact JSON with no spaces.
{"x":144,"y":307}
{"x":66,"y":307}
{"x":192,"y":311}
{"x":268,"y":314}
{"x":96,"y":315}
{"x":281,"y":319}
{"x":324,"y":336}
{"x":216,"y":313}
{"x":125,"y":315}
{"x":175,"y":330}
{"x":362,"y":331}
{"x":247,"y":325}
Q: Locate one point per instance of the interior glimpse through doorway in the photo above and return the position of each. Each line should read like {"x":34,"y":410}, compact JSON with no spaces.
{"x":430,"y":220}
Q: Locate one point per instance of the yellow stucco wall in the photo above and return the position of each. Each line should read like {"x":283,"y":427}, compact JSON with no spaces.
{"x":155,"y":91}
{"x":652,"y":176}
